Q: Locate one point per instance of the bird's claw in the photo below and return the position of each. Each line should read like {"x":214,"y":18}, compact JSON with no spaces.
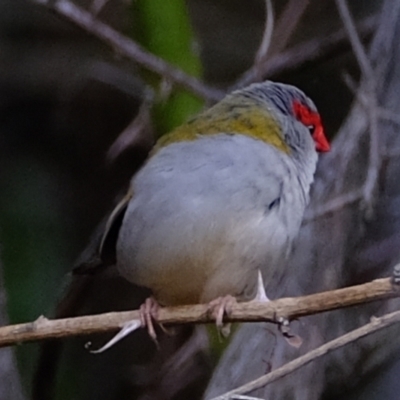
{"x":147,"y":313}
{"x":396,"y":274}
{"x":284,"y":327}
{"x":218,"y":308}
{"x":128,"y":328}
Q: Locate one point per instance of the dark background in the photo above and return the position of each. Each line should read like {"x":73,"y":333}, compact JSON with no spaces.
{"x":65,"y":97}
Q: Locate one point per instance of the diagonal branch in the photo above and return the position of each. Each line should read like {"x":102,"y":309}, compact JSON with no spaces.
{"x":309,"y":51}
{"x":128,"y":48}
{"x":262,"y":52}
{"x":286,"y":308}
{"x":376,"y":324}
{"x":287,"y":24}
{"x":355,"y":41}
{"x":368,"y":97}
{"x":335,"y":204}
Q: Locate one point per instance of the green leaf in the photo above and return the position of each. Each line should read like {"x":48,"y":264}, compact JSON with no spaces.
{"x":164,"y":29}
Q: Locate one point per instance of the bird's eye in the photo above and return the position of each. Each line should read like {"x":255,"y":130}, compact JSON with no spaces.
{"x":311,"y":128}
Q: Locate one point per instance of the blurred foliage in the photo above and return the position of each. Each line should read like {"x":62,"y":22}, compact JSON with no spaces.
{"x":33,"y":241}
{"x":164,"y":28}
{"x":39,"y":230}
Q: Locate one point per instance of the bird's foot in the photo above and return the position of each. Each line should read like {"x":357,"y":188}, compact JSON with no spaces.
{"x":127,"y":328}
{"x":284,"y":327}
{"x":217,"y":308}
{"x":396,"y":275}
{"x":283,"y":323}
{"x":147,"y":313}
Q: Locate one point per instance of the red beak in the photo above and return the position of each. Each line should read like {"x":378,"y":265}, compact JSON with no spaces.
{"x":321,"y":142}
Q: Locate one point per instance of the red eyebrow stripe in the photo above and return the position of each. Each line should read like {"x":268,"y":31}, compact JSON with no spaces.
{"x":308,"y":117}
{"x":305,"y":115}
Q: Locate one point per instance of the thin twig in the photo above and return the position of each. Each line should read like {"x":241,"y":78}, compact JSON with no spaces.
{"x":374,"y":162}
{"x":341,"y":201}
{"x":290,"y":18}
{"x":128,"y":48}
{"x":287,"y":23}
{"x":97,"y":6}
{"x":367,"y":93}
{"x":337,"y":203}
{"x":391,"y":153}
{"x":262,"y":52}
{"x":287,"y":308}
{"x":388,"y":115}
{"x":375,"y":325}
{"x":311,"y":50}
{"x":355,"y":41}
{"x":139,"y":129}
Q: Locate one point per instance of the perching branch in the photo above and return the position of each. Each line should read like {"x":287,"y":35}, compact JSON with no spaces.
{"x":128,"y":48}
{"x":287,"y":308}
{"x":376,"y":324}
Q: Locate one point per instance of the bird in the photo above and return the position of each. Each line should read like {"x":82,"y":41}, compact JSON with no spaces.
{"x":212,"y":214}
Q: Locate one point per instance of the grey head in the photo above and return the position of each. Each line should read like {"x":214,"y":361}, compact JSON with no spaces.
{"x":296,"y":113}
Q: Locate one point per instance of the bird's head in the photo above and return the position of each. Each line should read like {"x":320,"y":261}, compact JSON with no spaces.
{"x":293,"y":109}
{"x":278,"y":114}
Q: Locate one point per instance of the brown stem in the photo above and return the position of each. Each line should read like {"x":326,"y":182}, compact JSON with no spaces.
{"x":128,"y":48}
{"x":375,"y":325}
{"x":290,"y":308}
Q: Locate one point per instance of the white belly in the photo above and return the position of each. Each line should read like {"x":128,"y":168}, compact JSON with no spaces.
{"x":202,"y":223}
